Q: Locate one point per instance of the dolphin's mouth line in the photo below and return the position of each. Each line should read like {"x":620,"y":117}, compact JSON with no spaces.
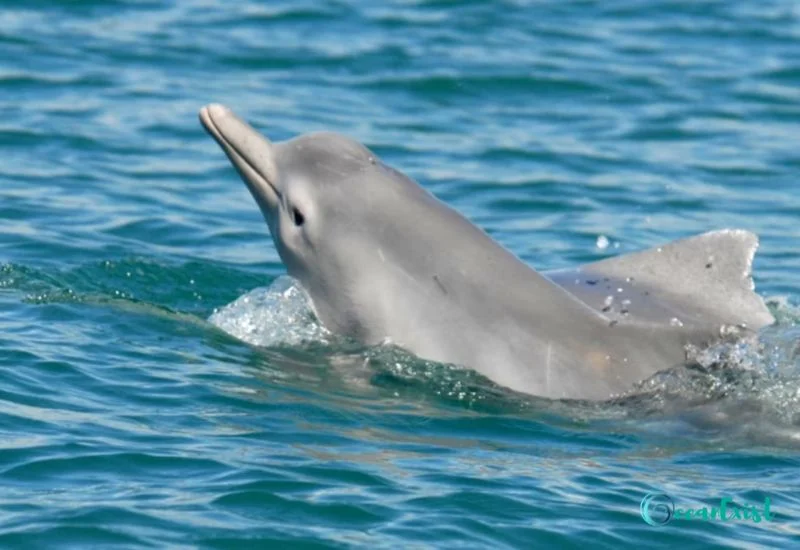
{"x":240,"y":161}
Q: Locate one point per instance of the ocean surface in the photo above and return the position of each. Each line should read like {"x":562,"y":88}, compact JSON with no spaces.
{"x":164,"y":385}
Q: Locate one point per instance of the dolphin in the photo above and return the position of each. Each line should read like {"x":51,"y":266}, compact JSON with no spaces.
{"x":382,"y":259}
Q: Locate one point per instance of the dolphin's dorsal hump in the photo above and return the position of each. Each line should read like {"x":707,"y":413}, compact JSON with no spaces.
{"x":701,"y":280}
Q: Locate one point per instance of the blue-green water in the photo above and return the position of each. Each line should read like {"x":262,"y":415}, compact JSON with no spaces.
{"x":127,"y":419}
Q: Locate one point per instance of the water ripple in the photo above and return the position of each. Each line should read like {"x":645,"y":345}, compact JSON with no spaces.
{"x":133,"y":415}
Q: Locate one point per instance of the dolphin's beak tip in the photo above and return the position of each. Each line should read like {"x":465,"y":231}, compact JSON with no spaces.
{"x":214,"y":110}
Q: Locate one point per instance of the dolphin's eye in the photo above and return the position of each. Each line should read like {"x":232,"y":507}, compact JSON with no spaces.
{"x":297,"y":217}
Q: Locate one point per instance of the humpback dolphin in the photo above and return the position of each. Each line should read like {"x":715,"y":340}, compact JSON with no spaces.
{"x":381,"y":258}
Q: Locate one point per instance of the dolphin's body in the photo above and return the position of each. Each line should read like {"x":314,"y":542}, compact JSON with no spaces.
{"x":381,"y":258}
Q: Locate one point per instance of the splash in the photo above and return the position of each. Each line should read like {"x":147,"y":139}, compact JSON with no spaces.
{"x":748,"y":389}
{"x":776,"y":351}
{"x":759,"y":376}
{"x":278,"y":314}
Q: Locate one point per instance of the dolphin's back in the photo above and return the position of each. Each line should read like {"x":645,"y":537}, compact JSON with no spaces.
{"x":700,"y":281}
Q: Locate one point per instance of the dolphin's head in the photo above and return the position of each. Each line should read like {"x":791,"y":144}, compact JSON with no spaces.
{"x":316,"y":192}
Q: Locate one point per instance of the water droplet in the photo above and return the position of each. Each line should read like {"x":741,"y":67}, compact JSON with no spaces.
{"x":602,"y":242}
{"x":608,"y":301}
{"x":675,"y":322}
{"x":730,"y":330}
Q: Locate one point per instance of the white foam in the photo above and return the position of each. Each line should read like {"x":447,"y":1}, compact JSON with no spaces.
{"x":278,"y":314}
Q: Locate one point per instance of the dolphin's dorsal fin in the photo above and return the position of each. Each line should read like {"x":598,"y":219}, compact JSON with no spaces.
{"x":696,"y":281}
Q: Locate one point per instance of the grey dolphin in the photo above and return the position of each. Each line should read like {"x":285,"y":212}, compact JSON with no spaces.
{"x":381,"y":258}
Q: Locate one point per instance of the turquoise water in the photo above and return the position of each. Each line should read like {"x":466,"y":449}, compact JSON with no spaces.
{"x":129,"y":419}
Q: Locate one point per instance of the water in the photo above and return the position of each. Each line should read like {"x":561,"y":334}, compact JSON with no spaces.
{"x":570,"y":130}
